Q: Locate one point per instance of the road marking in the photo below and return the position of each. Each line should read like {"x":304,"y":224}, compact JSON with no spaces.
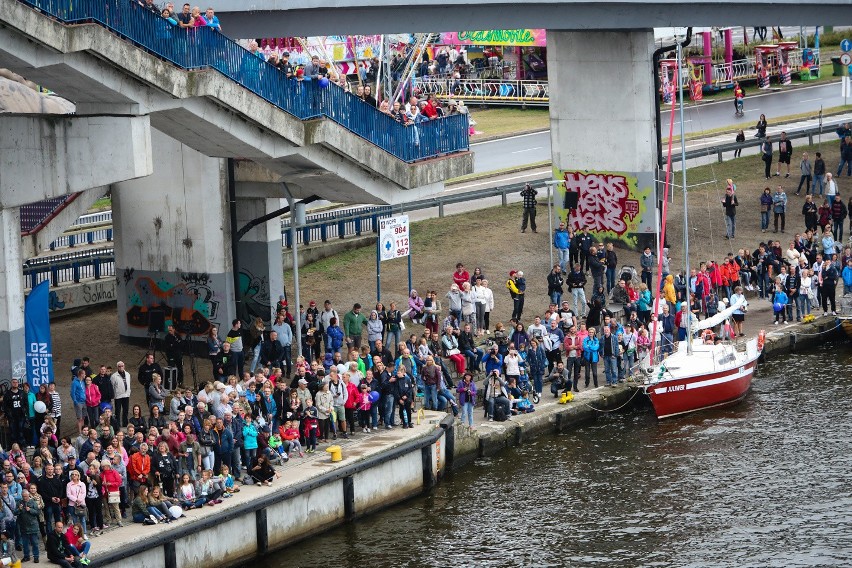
{"x":528,"y":150}
{"x":810,"y":100}
{"x":754,"y":110}
{"x":512,"y":137}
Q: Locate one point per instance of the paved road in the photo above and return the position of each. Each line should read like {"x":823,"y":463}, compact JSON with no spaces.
{"x":527,"y":149}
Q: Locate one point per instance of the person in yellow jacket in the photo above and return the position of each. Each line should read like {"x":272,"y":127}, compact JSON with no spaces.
{"x":517,"y":286}
{"x":669,"y":292}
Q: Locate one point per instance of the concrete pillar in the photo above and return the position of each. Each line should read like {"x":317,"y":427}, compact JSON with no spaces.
{"x":602,"y":130}
{"x":261,"y":264}
{"x":172,"y":245}
{"x":12,"y":353}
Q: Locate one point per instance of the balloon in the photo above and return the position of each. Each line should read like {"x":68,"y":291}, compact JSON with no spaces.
{"x":40,"y":407}
{"x":374,"y":397}
{"x":323,"y":82}
{"x":778,"y":306}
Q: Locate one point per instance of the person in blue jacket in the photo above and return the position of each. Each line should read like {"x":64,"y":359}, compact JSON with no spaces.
{"x":335,"y":335}
{"x":562,"y":244}
{"x":591,"y":353}
{"x":847,"y":277}
{"x":78,"y":398}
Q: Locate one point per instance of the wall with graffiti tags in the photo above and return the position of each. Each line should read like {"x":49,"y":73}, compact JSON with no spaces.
{"x":191,"y":301}
{"x":614,"y":206}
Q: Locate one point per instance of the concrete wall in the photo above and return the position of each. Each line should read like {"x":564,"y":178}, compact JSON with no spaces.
{"x":172,"y":246}
{"x":603,"y":89}
{"x":73,"y":297}
{"x":289,"y":513}
{"x":12,"y":362}
{"x":259,"y":257}
{"x":50,"y":156}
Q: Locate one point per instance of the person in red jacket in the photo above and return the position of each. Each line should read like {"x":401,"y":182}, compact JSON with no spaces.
{"x":460,"y":276}
{"x":112,"y":486}
{"x":139,"y":468}
{"x":351,"y":403}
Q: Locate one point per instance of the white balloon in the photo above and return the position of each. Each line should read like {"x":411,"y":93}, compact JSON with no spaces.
{"x":40,"y":407}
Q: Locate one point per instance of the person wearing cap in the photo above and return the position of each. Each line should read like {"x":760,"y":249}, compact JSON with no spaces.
{"x":285,"y":66}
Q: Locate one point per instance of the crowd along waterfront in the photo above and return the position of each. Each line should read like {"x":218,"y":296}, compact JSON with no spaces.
{"x":762,"y":483}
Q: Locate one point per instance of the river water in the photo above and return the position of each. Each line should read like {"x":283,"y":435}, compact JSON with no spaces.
{"x":765,"y":483}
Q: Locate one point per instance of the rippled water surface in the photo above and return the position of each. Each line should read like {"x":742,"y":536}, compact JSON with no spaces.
{"x":765,"y":483}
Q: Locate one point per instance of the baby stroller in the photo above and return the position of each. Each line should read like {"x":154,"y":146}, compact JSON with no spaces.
{"x":629,"y":274}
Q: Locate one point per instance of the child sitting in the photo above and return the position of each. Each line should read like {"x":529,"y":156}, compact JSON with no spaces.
{"x":278,"y":450}
{"x":228,"y":481}
{"x":290,"y":437}
{"x":524,"y":405}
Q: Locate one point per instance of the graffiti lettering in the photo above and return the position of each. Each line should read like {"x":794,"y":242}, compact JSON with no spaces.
{"x":254,"y":297}
{"x":601,"y":201}
{"x":97,"y":293}
{"x":201,"y":278}
{"x":128,"y":275}
{"x":631,"y":208}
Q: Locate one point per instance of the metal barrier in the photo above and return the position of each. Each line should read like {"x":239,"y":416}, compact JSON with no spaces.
{"x":792,"y":134}
{"x":494,"y":91}
{"x":204,"y":47}
{"x":70,"y":267}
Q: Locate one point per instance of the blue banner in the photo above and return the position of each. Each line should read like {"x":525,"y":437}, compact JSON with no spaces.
{"x":37,"y":337}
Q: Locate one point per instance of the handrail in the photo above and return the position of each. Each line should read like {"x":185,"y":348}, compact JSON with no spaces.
{"x":204,"y":47}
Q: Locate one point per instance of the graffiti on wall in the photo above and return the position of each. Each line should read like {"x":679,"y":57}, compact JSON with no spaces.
{"x":81,"y":295}
{"x":611,"y":205}
{"x":254,"y":297}
{"x":189,"y":302}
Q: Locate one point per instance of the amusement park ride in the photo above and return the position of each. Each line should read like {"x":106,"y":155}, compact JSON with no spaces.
{"x":509,"y":67}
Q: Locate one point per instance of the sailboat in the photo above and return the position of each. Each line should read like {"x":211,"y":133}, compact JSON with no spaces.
{"x":701,"y":373}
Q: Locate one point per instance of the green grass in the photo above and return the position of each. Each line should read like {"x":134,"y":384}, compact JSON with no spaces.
{"x":509,"y":120}
{"x":101,"y":204}
{"x":483,"y":175}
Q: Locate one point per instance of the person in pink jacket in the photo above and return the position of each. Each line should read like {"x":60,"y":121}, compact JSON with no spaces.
{"x":415,"y":307}
{"x":93,"y":401}
{"x":76,"y":493}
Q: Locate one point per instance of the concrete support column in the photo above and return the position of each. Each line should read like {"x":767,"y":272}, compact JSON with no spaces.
{"x":12,"y":353}
{"x":172,"y":245}
{"x":602,"y":130}
{"x":261,"y":264}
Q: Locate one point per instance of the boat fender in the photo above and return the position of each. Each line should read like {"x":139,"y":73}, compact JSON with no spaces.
{"x":761,"y":339}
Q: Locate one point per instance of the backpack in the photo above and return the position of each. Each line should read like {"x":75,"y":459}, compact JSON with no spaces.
{"x":500,"y":414}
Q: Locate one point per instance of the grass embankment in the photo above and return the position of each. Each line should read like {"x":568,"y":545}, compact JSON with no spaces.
{"x":508,"y":120}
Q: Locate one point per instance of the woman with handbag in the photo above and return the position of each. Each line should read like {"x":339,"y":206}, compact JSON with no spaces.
{"x":75,"y":491}
{"x":111,"y":481}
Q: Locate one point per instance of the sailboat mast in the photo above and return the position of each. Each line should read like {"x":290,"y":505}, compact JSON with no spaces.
{"x":687,"y":312}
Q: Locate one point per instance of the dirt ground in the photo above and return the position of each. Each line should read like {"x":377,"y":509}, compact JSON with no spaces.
{"x":489,"y":239}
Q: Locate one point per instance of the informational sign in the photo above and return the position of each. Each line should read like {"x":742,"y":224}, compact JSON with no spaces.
{"x":394,"y":238}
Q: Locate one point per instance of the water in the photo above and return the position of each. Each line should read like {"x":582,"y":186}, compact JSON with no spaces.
{"x":765,"y":483}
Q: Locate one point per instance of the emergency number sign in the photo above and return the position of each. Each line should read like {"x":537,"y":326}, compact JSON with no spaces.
{"x":394,"y":237}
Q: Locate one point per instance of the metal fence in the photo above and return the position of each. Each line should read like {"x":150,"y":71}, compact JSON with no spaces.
{"x":34,"y":214}
{"x":204,"y":47}
{"x":492,"y":91}
{"x":70,"y":267}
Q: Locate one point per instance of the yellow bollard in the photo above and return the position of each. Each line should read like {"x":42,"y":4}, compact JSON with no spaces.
{"x":336,"y":453}
{"x":421,"y":415}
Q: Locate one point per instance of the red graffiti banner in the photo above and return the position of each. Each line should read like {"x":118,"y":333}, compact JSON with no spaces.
{"x":602,"y":201}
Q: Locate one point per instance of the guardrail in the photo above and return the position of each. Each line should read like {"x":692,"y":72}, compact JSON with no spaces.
{"x":204,"y":47}
{"x":792,"y":134}
{"x":70,"y":267}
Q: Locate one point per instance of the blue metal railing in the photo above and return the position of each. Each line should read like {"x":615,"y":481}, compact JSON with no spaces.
{"x":70,"y":267}
{"x":339,"y":224}
{"x":204,"y":47}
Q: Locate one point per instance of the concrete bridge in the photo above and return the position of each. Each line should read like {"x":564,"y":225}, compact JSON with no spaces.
{"x":276,"y":18}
